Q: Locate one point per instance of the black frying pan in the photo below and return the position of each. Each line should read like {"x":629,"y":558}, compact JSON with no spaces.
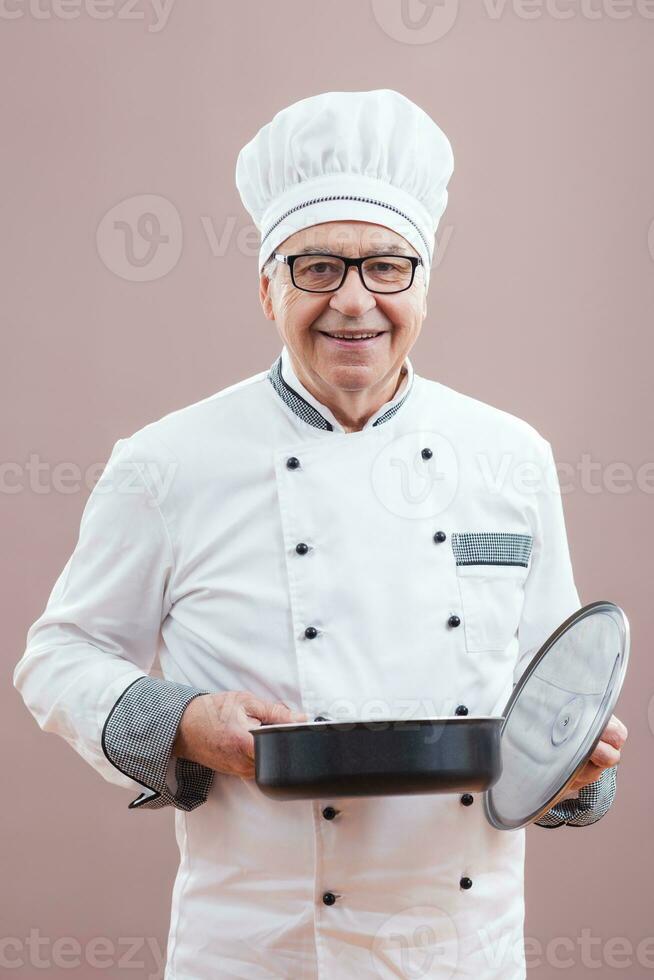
{"x":377,"y":758}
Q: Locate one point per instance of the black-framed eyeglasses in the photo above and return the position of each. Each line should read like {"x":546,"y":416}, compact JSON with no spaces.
{"x":325,"y":273}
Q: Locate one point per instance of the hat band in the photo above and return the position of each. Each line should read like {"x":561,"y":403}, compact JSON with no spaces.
{"x":345,"y":197}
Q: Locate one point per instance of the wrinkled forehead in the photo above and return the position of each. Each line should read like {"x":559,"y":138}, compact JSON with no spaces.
{"x":348,"y":238}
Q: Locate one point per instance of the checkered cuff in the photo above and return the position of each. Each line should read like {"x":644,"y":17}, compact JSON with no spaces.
{"x":138,"y":738}
{"x":594,"y":801}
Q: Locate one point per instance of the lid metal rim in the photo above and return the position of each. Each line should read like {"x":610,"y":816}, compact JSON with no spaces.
{"x":601,"y":605}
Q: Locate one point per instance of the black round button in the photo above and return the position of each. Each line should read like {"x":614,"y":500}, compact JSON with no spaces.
{"x":467,"y":799}
{"x":454,"y":621}
{"x":461,"y":710}
{"x":329,"y":813}
{"x":292,"y":462}
{"x":427,"y":453}
{"x":311,"y":632}
{"x":466,"y":882}
{"x":320,"y":718}
{"x":329,"y":898}
{"x":439,"y":537}
{"x":301,"y":548}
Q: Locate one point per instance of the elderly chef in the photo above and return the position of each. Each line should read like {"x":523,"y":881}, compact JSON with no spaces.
{"x":338,"y":537}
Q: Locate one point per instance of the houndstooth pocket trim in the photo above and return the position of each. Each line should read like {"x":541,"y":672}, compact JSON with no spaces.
{"x":491,"y":548}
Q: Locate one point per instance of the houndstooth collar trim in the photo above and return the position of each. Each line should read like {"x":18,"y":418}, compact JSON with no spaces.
{"x":307,"y":407}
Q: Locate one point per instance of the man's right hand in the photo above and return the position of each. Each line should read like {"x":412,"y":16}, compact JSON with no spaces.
{"x":215,"y":730}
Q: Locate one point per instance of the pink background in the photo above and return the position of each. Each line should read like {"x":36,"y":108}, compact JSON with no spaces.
{"x":540,"y":304}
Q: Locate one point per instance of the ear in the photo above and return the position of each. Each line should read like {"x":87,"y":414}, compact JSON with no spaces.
{"x":265,"y":298}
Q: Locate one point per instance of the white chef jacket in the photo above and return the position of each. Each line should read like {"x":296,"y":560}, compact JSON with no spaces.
{"x":437,"y":564}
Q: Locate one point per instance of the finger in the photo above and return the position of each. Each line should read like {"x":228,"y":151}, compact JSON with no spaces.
{"x":589,"y":774}
{"x":605,"y":755}
{"x":248,"y":747}
{"x":297,"y":715}
{"x":616,"y":732}
{"x":253,"y":706}
{"x":272,"y":712}
{"x":612,"y":736}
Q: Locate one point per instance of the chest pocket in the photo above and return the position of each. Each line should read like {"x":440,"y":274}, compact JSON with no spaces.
{"x":491,"y":568}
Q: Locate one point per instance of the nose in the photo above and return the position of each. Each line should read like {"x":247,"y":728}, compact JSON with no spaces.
{"x":352,"y":299}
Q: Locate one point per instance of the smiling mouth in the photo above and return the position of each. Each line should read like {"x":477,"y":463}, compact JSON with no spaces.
{"x":352,"y":338}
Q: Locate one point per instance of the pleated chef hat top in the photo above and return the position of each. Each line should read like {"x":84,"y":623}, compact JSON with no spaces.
{"x":347,"y":156}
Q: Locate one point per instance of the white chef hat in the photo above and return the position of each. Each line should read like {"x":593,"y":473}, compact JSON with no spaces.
{"x":354,"y":156}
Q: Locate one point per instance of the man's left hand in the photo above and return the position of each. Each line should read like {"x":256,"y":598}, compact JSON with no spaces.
{"x":606,"y":754}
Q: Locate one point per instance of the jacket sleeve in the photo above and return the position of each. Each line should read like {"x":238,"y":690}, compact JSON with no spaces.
{"x":550,"y":597}
{"x":592,"y":803}
{"x":84,"y":674}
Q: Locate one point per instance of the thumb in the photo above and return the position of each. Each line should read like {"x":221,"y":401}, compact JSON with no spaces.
{"x":272,"y":712}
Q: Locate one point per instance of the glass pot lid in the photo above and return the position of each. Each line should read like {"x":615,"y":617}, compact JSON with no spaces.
{"x":557,"y":713}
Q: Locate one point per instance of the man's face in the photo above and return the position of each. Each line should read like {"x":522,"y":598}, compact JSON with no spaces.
{"x":304,"y":319}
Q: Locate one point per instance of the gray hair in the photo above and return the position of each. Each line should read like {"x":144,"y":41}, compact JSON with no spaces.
{"x":269,"y":266}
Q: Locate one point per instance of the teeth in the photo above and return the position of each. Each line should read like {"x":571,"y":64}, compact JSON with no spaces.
{"x":352,"y":336}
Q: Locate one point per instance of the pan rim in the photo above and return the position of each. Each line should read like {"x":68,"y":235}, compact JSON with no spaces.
{"x":307,"y":725}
